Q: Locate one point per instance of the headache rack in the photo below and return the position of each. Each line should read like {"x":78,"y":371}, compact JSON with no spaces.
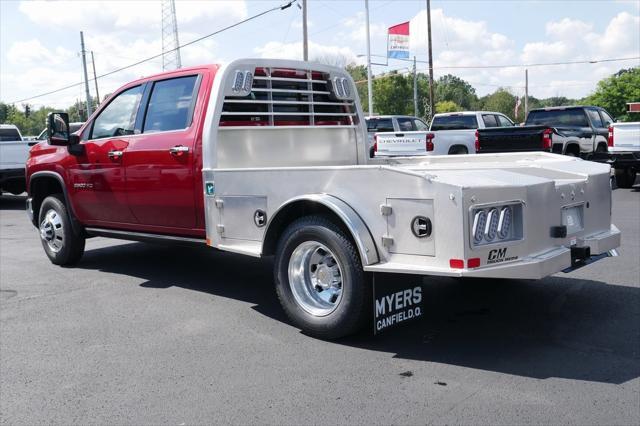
{"x":289,"y":97}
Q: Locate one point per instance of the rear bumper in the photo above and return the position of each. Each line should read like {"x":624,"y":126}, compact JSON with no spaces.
{"x":532,"y":267}
{"x":618,"y":160}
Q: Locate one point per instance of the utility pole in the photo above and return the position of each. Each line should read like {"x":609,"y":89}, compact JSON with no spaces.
{"x":305,"y":37}
{"x":430,"y":57}
{"x":415,"y":88}
{"x":526,"y":93}
{"x":95,"y":79}
{"x":369,"y":82}
{"x":86,"y":78}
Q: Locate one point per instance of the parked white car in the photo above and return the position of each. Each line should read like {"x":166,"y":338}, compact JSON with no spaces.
{"x":13,"y":154}
{"x":449,"y":133}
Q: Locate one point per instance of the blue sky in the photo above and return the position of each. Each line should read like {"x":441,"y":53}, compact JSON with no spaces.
{"x":39,"y":41}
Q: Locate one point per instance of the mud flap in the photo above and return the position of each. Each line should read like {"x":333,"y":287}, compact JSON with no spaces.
{"x":397,"y":300}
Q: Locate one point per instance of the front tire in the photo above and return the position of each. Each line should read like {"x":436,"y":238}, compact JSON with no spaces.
{"x":60,"y":242}
{"x":319,"y":279}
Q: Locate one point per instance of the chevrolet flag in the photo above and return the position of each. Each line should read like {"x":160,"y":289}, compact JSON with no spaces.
{"x":398,"y":41}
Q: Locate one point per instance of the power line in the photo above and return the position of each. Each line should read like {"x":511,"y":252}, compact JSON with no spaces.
{"x":541,"y":64}
{"x":281,"y":7}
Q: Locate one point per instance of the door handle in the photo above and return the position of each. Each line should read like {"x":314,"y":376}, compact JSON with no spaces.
{"x":178,"y":150}
{"x":114,"y":155}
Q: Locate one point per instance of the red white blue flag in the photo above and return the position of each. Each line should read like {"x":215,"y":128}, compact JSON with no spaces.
{"x":398,"y":41}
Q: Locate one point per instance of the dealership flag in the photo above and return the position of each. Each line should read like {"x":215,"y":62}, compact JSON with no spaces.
{"x":398,"y":41}
{"x":517,"y":107}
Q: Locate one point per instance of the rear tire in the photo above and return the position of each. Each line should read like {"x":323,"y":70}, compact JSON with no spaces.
{"x":319,"y":279}
{"x":625,"y":178}
{"x":60,"y":242}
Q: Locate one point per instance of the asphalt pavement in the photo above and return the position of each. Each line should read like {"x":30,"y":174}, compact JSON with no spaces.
{"x":145,"y":334}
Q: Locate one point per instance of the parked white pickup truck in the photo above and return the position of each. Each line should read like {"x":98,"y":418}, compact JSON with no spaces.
{"x":623,"y":152}
{"x":13,"y":155}
{"x":450,"y":133}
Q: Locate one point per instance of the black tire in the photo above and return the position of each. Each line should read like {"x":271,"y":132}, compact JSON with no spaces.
{"x":354,"y":306}
{"x":58,"y":231}
{"x":625,"y":178}
{"x":601,"y":148}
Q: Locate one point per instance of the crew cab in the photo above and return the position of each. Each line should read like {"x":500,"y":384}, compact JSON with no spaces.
{"x":578,"y":131}
{"x":269,"y":158}
{"x":14,"y":151}
{"x":450,"y":133}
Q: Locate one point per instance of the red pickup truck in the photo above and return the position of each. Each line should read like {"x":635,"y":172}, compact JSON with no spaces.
{"x":270,"y":157}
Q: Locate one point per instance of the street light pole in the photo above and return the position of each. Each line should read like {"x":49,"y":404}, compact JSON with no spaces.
{"x":369,"y":82}
{"x":430,"y":57}
{"x":305,"y":37}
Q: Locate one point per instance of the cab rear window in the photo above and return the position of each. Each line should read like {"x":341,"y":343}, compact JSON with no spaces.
{"x":379,"y":124}
{"x":454,"y":122}
{"x":9,"y":135}
{"x":558,"y":117}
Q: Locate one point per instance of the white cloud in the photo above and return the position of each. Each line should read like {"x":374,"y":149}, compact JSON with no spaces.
{"x":333,"y":55}
{"x":461,"y":42}
{"x":121,"y":34}
{"x":568,"y":28}
{"x":133,"y":16}
{"x":33,"y":52}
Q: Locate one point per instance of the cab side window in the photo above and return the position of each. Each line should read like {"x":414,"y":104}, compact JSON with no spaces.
{"x":504,"y":121}
{"x":420,"y":125}
{"x":405,"y":124}
{"x":489,"y":120}
{"x":119,"y":117}
{"x":606,"y":119}
{"x":595,"y":118}
{"x":170,"y":105}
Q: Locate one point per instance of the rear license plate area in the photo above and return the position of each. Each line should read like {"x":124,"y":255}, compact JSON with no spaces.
{"x":573,"y":218}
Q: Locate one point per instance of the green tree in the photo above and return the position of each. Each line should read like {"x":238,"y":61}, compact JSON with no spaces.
{"x":447,"y":106}
{"x":454,"y":89}
{"x":614,"y":92}
{"x":393,"y":94}
{"x":555,"y":101}
{"x":500,"y":101}
{"x":359,"y":75}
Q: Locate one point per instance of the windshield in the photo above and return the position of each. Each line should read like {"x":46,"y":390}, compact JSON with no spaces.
{"x":557,"y":117}
{"x":454,"y":122}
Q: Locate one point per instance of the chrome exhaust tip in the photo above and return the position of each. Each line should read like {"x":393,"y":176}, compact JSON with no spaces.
{"x":613,"y":253}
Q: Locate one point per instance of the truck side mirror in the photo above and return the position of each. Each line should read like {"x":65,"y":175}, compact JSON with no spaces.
{"x":58,"y":128}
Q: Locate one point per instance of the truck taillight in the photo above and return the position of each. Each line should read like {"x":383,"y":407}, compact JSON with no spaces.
{"x":547,"y":139}
{"x":477,"y":142}
{"x":375,"y":143}
{"x":429,"y":144}
{"x":610,"y":137}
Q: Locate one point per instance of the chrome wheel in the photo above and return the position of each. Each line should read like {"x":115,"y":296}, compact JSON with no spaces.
{"x":52,"y":231}
{"x":315,"y":278}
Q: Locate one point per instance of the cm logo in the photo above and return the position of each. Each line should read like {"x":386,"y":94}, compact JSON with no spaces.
{"x":497,"y":254}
